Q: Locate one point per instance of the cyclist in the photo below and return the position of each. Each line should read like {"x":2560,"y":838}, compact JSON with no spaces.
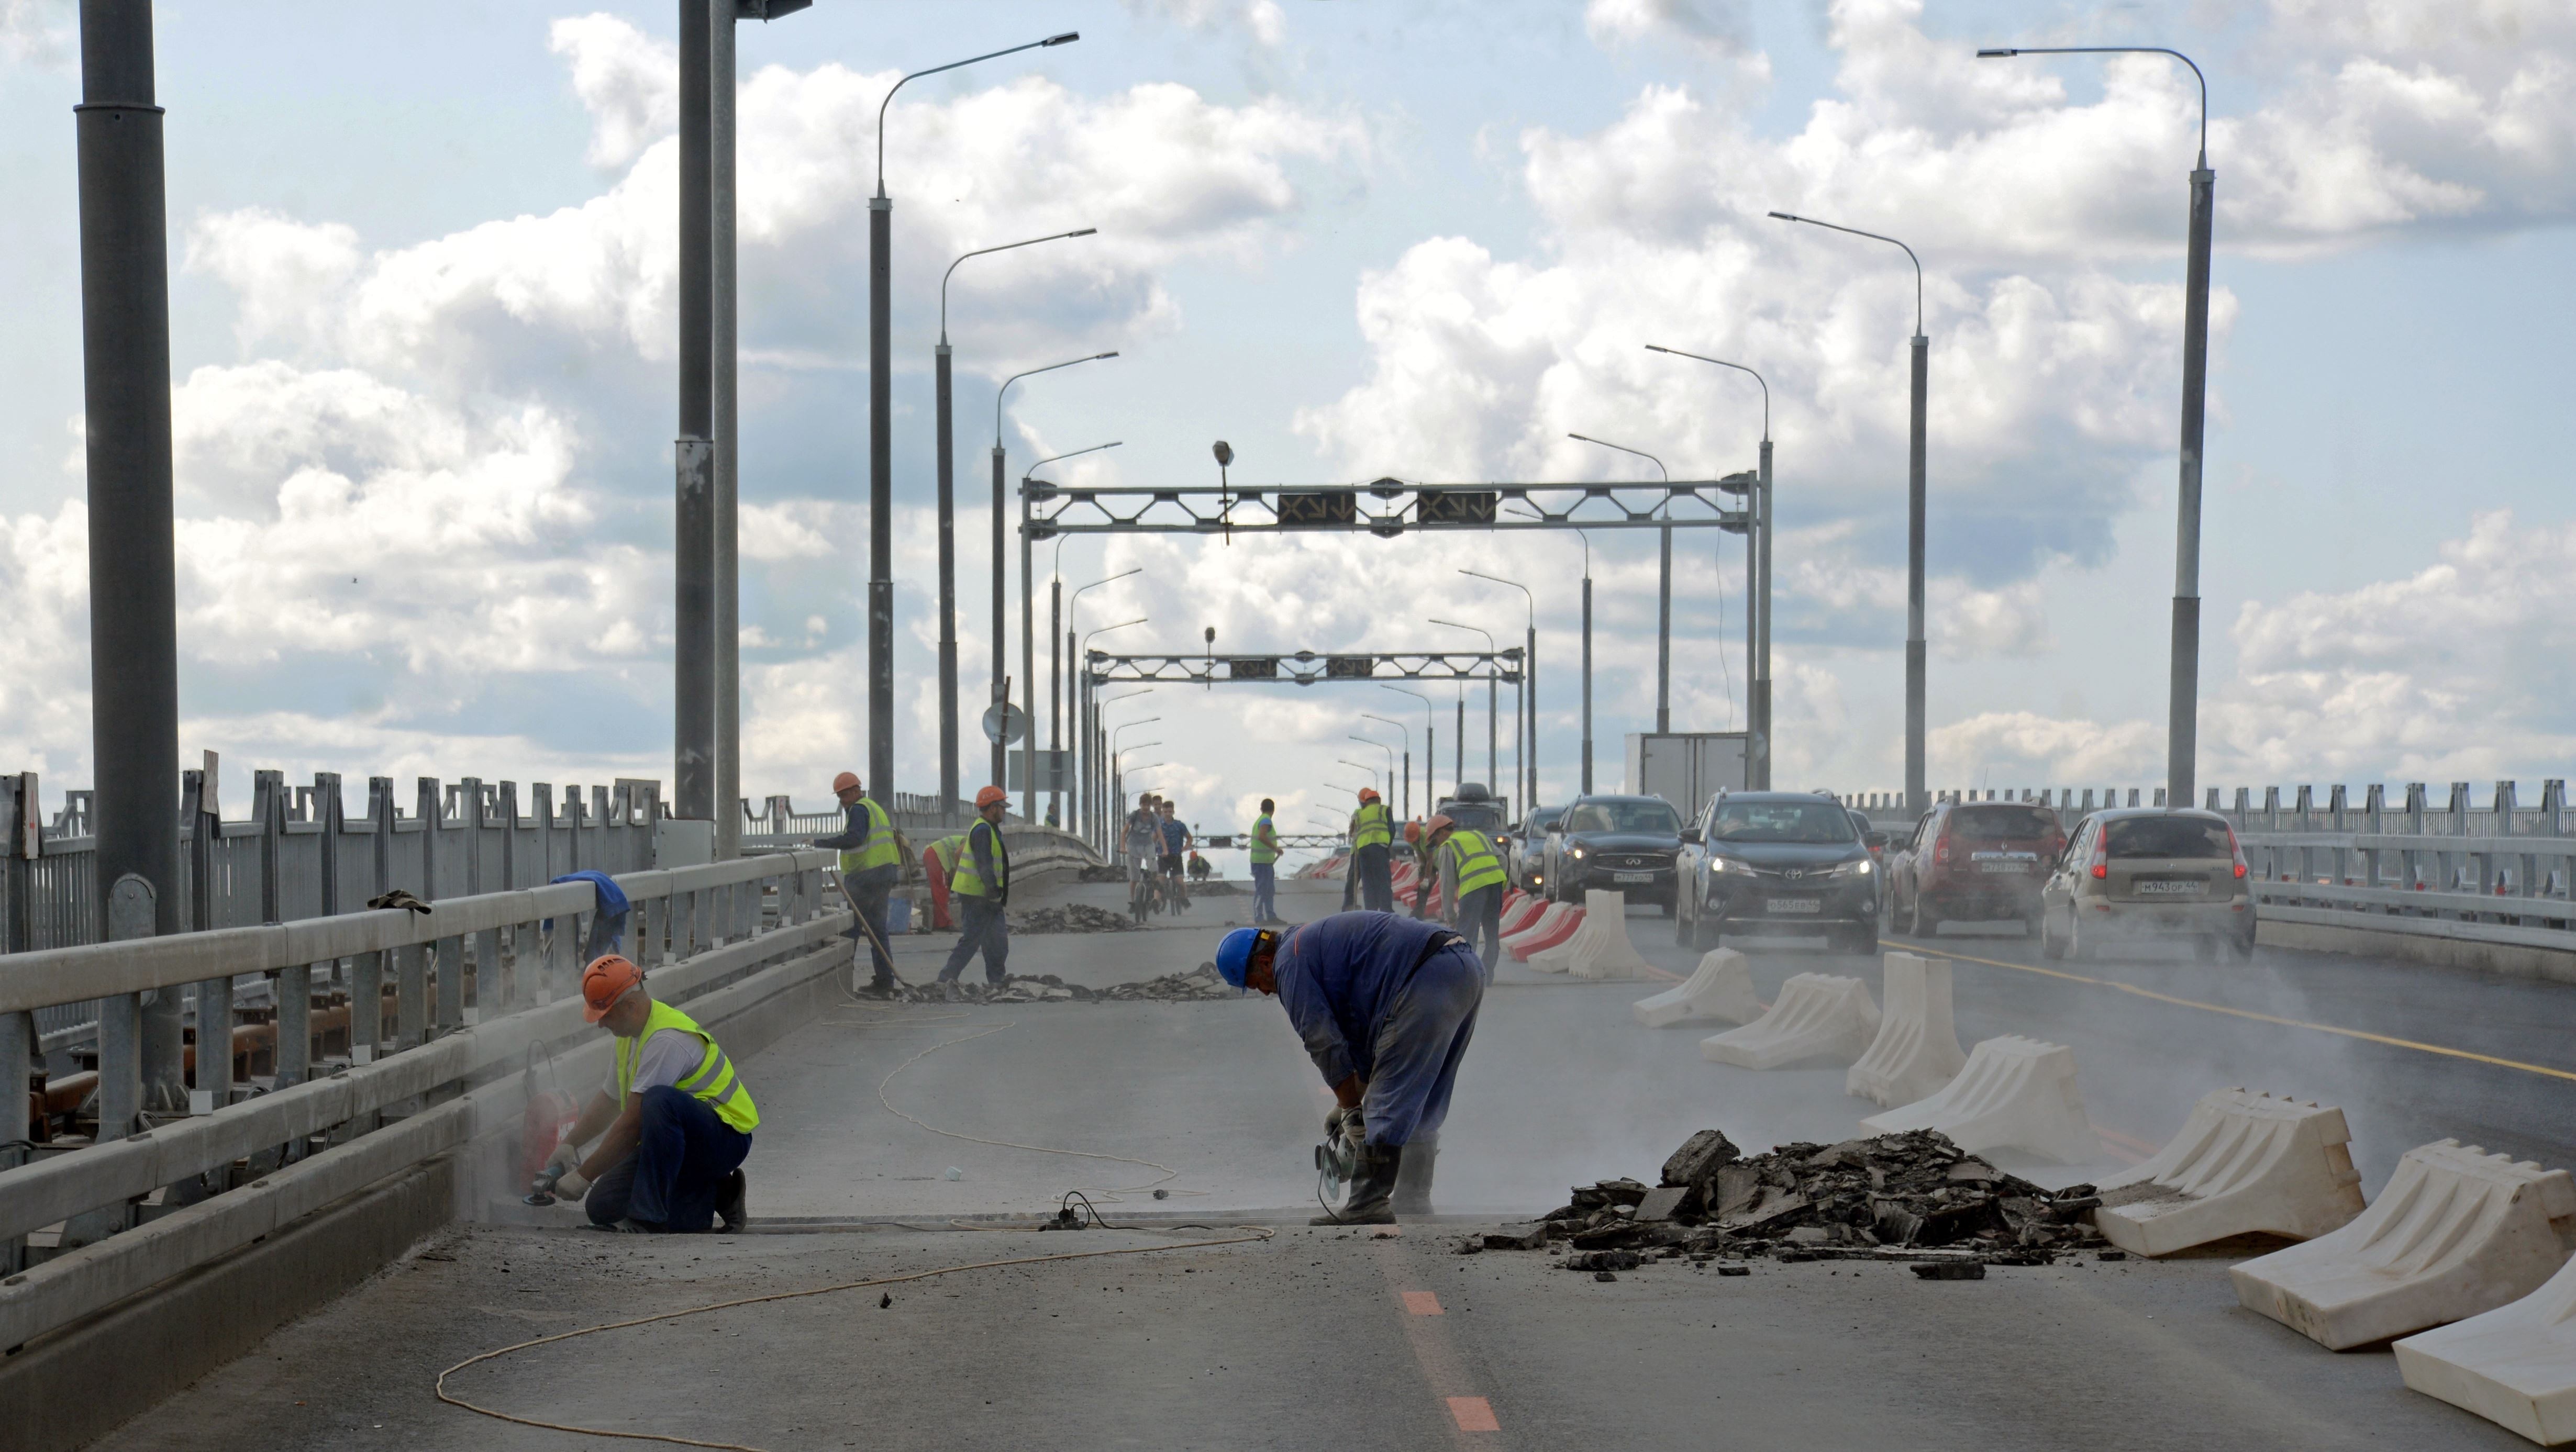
{"x":1176,"y":842}
{"x":1143,"y":846}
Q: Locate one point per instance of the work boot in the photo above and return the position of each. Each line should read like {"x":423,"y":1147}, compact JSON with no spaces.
{"x":731,"y":1207}
{"x":1413,"y":1184}
{"x":1372,"y":1181}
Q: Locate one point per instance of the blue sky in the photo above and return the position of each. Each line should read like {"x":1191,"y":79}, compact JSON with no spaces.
{"x":422,"y":337}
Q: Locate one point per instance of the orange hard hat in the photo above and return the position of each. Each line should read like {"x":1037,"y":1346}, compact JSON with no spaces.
{"x":847,"y":781}
{"x":989,"y":795}
{"x":1441,"y":822}
{"x":1413,"y":831}
{"x":608,"y":979}
{"x":1368,"y":794}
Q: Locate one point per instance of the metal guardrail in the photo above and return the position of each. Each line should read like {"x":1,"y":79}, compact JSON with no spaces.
{"x":472,"y":987}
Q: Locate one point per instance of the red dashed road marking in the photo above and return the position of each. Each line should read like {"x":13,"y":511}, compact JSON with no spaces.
{"x":1473,"y":1414}
{"x":1422,"y":1303}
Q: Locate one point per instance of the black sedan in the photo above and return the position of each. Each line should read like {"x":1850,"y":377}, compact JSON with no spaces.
{"x":1769,"y":864}
{"x":1615,"y":844}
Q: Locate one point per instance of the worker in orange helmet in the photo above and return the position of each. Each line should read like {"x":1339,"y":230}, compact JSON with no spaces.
{"x":982,"y":887}
{"x":1372,"y":852}
{"x":673,"y":1120}
{"x":871,"y":863}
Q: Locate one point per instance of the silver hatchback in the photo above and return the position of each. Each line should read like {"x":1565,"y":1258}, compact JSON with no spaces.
{"x":2145,"y":873}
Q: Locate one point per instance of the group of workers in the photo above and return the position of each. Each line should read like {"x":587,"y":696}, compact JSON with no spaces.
{"x":1465,"y":862}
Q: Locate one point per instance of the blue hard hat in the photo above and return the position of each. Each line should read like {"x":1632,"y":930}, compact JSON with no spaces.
{"x":1234,"y":955}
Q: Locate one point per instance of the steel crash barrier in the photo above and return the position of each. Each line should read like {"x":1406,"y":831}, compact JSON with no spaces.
{"x":469,"y":995}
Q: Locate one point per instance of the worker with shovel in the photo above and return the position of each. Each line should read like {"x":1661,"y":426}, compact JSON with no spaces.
{"x":1386,"y":1005}
{"x":871,"y":863}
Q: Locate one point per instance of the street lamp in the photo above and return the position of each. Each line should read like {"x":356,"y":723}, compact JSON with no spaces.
{"x":1390,"y":757}
{"x":1663,"y":591}
{"x":1757,"y":587}
{"x":1406,"y":733}
{"x":948,"y":769}
{"x":1430,"y":746}
{"x":1586,"y":538}
{"x":1094,"y":743}
{"x":2182,"y":721}
{"x":1493,"y":694}
{"x":1529,"y":691}
{"x":1076,"y":692}
{"x":1056,"y":663}
{"x":1914,"y":648}
{"x":881,"y":442}
{"x":1001,"y":631}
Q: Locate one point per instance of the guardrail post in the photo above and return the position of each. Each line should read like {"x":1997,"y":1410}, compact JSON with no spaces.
{"x":411,"y":996}
{"x":451,"y":983}
{"x":17,"y":1065}
{"x":2336,"y":806}
{"x":132,"y":912}
{"x":366,"y":1006}
{"x":2489,"y":872}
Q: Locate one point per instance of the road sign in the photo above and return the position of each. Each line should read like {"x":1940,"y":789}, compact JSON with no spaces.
{"x":1005,"y":723}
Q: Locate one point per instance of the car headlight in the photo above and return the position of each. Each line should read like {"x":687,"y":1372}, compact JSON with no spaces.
{"x":1724,"y":865}
{"x":1852,"y":869}
{"x":1574,"y":852}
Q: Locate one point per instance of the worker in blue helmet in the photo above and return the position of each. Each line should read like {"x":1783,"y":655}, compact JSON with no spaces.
{"x":1385,"y":1005}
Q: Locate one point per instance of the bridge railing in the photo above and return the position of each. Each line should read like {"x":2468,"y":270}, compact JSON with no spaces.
{"x":443,"y":1012}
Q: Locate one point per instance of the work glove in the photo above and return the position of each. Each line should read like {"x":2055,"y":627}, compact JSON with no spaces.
{"x":572,"y":1186}
{"x":563,"y":1159}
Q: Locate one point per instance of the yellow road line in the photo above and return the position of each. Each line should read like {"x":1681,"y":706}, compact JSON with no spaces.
{"x":2323,"y":1028}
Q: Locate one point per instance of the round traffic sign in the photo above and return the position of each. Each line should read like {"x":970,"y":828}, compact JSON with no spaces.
{"x":1005,"y":723}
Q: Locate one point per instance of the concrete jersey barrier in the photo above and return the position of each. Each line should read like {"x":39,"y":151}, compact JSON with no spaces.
{"x":1549,"y":934}
{"x":1720,"y":990}
{"x":2514,"y":1365}
{"x":1917,"y":1049}
{"x":2013,"y":1093}
{"x":2243,"y":1163}
{"x":1601,"y":948}
{"x":1816,"y":1016}
{"x":2457,"y":1232}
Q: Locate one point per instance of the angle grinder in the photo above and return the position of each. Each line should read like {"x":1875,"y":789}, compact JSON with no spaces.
{"x":1335,"y":1161}
{"x":541,"y":1190}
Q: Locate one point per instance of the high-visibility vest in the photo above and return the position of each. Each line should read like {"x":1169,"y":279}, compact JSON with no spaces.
{"x":1477,"y":865}
{"x":712,"y":1083}
{"x":1265,"y":842}
{"x":880,"y":848}
{"x":1371,"y":826}
{"x":946,"y":849}
{"x":967,"y":877}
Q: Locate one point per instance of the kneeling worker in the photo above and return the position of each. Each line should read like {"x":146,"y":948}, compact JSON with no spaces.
{"x":1386,"y":1006}
{"x":1471,"y":883}
{"x":673,"y":1121}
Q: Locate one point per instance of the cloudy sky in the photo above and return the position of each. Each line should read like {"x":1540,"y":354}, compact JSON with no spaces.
{"x":424,"y":333}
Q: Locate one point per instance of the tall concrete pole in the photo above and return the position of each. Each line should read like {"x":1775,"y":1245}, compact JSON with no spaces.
{"x":1001,"y":643}
{"x":1055,"y":689}
{"x":1914,"y":644}
{"x":1761,"y":684}
{"x":125,"y":387}
{"x":1529,"y":673}
{"x":947,"y":592}
{"x":1028,"y":671}
{"x":880,"y":491}
{"x":694,"y":654}
{"x":722,"y":326}
{"x":1587,"y":672}
{"x":2182,"y":730}
{"x":1664,"y":629}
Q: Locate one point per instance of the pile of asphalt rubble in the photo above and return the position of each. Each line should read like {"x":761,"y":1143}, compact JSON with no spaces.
{"x":1076,"y":917}
{"x":1101,"y":872}
{"x":1914,"y":1198}
{"x":1199,"y":984}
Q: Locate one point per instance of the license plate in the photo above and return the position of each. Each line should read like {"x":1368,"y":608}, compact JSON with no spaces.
{"x":1632,"y":877}
{"x":1779,"y":906}
{"x":1999,"y":867}
{"x":2169,"y":887}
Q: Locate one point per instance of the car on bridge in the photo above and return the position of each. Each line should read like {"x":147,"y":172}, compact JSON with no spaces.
{"x":2143,"y":873}
{"x":1526,"y":846}
{"x":1776,"y":864}
{"x":1622,"y":844}
{"x":1972,"y":862}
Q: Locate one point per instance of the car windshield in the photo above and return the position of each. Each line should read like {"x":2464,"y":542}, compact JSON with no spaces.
{"x":2001,"y":823}
{"x":1541,"y":823}
{"x":1781,"y":822}
{"x":2168,"y":837}
{"x":1477,"y":815}
{"x":1653,"y":817}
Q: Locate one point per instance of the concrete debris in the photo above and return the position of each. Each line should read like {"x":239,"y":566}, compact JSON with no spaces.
{"x":1200,"y":984}
{"x":1950,"y":1270}
{"x":1603,"y":1260}
{"x":1102,"y":872}
{"x":1073,"y":917}
{"x":1534,"y":1239}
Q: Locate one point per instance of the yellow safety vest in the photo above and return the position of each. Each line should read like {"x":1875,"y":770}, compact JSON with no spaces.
{"x":1371,"y":826}
{"x":1265,"y":841}
{"x":712,"y":1083}
{"x":1477,"y":866}
{"x":967,"y":877}
{"x":946,"y":849}
{"x":880,"y":849}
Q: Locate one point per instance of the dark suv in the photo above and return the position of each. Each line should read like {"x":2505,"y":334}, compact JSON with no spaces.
{"x":1973,"y":862}
{"x":1766,"y":864}
{"x":1527,"y":848}
{"x":1617,"y":844}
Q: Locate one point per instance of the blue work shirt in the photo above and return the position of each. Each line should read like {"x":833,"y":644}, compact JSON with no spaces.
{"x":1176,"y":836}
{"x":1339,"y":978}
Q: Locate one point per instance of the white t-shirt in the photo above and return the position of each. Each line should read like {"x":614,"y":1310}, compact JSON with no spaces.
{"x":666,"y":1057}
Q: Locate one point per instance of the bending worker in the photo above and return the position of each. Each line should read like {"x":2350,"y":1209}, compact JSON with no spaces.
{"x":1265,"y":865}
{"x":871,"y":863}
{"x":673,"y":1121}
{"x":1471,"y":883}
{"x":1372,"y":836}
{"x":1386,"y":1006}
{"x":981,"y":887}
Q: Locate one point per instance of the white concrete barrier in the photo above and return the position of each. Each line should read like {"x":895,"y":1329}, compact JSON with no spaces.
{"x":1558,"y":957}
{"x":1817,"y":1015}
{"x":1917,"y":1048}
{"x":2514,"y":1365}
{"x":2013,"y":1093}
{"x":1554,"y":926}
{"x":1520,"y":910}
{"x":1720,"y":990}
{"x":1601,"y":945}
{"x":2457,"y":1232}
{"x":2242,"y":1164}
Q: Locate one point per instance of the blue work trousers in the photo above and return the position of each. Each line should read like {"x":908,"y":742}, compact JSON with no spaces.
{"x":1480,"y":914}
{"x":1377,"y":883}
{"x":982,"y":925}
{"x":1418,"y":1046}
{"x":1265,"y":892}
{"x":677,"y":1174}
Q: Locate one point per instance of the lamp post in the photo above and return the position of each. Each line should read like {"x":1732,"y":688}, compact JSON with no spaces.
{"x":1529,"y":688}
{"x":1078,"y":686}
{"x":1757,"y":588}
{"x":1118,"y":771}
{"x":1390,"y":758}
{"x":2182,"y":721}
{"x":1586,"y":778}
{"x":1001,"y":629}
{"x":1493,"y":695}
{"x":1106,"y":821}
{"x":1055,"y":633}
{"x":1406,"y":733}
{"x":1914,"y":647}
{"x":1430,"y":746}
{"x":1663,"y":592}
{"x":881,"y":439}
{"x":948,"y":767}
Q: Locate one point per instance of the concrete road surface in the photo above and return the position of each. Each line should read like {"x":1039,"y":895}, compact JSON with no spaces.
{"x":1342,"y":1339}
